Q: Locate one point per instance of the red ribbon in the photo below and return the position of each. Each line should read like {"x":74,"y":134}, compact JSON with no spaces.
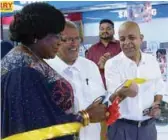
{"x":114,"y":111}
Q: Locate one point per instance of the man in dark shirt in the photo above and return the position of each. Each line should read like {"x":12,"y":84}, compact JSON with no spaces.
{"x":106,"y":48}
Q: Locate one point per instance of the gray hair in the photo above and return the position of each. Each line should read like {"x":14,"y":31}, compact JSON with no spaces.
{"x":70,"y":24}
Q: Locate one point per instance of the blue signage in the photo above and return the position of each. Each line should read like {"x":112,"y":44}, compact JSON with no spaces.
{"x":157,"y":11}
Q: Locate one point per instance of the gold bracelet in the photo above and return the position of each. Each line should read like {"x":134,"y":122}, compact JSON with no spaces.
{"x":85,"y":121}
{"x":81,"y":113}
{"x":85,"y":116}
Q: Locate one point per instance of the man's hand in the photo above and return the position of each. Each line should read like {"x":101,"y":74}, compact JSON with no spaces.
{"x":107,"y":55}
{"x":155,"y":111}
{"x":103,"y":60}
{"x":124,"y":92}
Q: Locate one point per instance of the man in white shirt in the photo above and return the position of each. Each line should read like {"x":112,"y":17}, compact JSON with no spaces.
{"x":82,"y":73}
{"x":131,"y":63}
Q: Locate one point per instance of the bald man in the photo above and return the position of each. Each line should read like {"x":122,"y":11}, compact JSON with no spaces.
{"x":131,"y":63}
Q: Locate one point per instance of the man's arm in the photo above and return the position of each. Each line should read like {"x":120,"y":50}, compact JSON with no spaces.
{"x":160,"y":85}
{"x":160,"y":90}
{"x":158,"y":98}
{"x":90,"y":53}
{"x":112,"y":76}
{"x":96,"y":77}
{"x":113,"y":82}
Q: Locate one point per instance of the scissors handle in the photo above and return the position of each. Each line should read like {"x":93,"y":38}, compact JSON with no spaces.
{"x":102,"y":100}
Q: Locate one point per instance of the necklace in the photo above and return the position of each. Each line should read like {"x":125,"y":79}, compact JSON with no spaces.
{"x":31,"y":52}
{"x":37,"y":57}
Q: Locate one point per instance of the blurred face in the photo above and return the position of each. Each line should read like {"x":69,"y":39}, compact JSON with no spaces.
{"x":47,"y":47}
{"x":69,"y":45}
{"x":159,"y":54}
{"x":130,"y":41}
{"x":106,"y":31}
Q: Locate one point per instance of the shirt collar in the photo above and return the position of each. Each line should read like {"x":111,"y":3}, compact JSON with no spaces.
{"x":142,"y":61}
{"x":62,"y":66}
{"x":77,"y":64}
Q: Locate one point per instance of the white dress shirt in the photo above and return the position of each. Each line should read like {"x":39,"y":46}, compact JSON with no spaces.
{"x":120,"y":68}
{"x":87,"y":84}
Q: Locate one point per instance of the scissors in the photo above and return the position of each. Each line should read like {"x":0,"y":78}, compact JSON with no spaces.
{"x":102,"y":99}
{"x":105,"y":98}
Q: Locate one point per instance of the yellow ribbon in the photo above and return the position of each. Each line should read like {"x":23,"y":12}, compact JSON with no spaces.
{"x":48,"y":132}
{"x":136,"y":80}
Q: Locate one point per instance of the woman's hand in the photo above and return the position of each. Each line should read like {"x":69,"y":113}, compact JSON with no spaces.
{"x":97,"y":112}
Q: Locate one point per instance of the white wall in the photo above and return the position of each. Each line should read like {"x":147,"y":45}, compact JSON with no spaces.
{"x":156,"y":30}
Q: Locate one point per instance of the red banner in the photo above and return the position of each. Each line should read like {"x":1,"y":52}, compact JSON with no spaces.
{"x":7,"y":20}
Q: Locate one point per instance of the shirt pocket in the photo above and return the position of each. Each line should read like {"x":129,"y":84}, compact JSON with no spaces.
{"x":92,"y":89}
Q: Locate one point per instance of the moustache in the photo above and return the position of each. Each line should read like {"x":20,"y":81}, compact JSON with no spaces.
{"x":104,"y":33}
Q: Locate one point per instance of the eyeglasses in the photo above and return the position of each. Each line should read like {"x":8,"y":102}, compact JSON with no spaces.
{"x":70,"y":39}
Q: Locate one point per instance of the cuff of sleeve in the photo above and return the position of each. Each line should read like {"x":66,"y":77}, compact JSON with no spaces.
{"x":79,"y":118}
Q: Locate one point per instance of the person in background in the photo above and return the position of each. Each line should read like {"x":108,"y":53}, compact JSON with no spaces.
{"x":106,"y":48}
{"x":137,"y":120}
{"x":161,"y":55}
{"x":33,"y":95}
{"x":86,"y":53}
{"x":82,"y":73}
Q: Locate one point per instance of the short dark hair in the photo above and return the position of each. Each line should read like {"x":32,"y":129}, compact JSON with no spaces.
{"x":162,"y":51}
{"x":107,"y":21}
{"x":35,"y":21}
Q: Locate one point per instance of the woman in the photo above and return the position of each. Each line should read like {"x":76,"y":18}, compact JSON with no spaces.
{"x":33,"y":94}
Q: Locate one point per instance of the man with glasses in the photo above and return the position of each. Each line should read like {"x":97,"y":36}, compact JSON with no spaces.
{"x":106,"y":48}
{"x":82,"y":73}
